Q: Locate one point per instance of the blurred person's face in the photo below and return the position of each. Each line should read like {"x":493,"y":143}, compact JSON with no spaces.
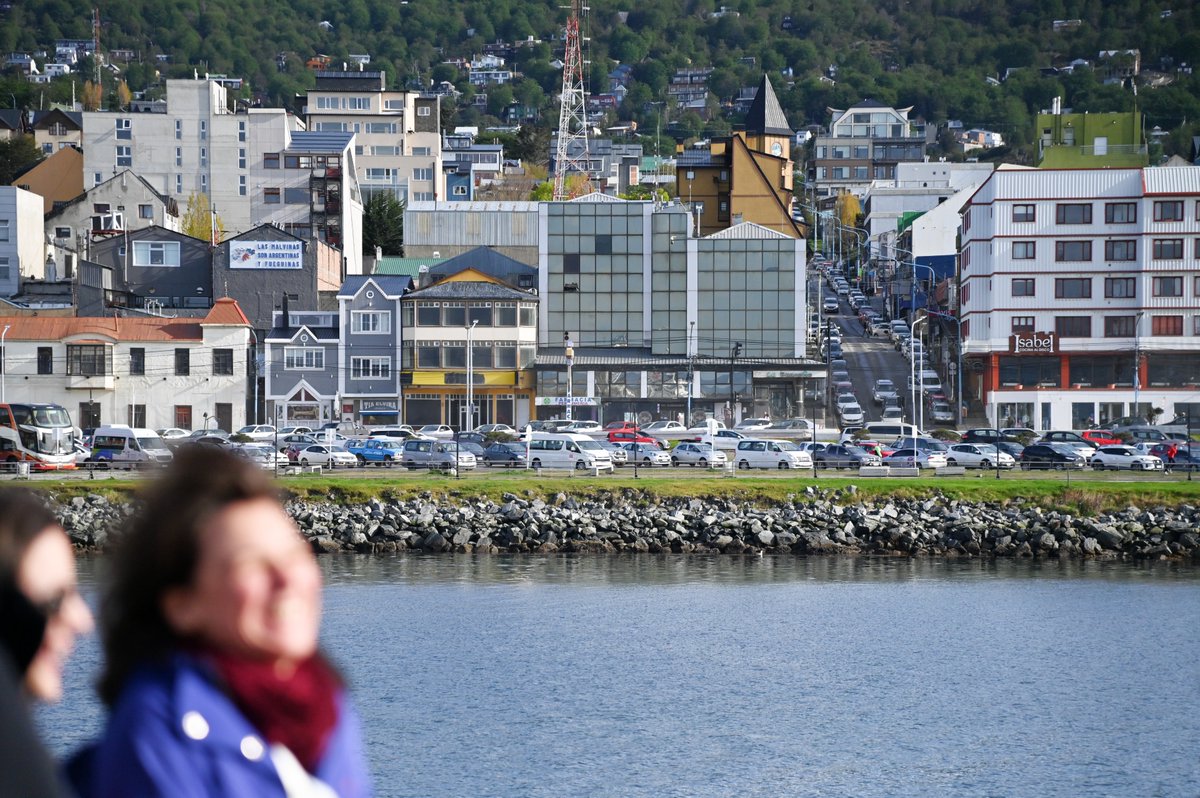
{"x":46,"y":575}
{"x":256,"y":591}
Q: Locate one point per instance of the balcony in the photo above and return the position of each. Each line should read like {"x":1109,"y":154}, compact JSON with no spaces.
{"x":98,"y":382}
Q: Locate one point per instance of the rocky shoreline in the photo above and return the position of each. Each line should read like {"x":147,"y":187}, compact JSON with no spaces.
{"x":815,"y":522}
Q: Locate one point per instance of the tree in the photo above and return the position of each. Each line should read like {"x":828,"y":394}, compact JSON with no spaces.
{"x":17,"y":156}
{"x":123,"y":95}
{"x":93,"y":94}
{"x":199,"y":219}
{"x":383,"y":224}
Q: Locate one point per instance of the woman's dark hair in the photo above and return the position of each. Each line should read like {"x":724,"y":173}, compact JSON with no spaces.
{"x":160,"y":551}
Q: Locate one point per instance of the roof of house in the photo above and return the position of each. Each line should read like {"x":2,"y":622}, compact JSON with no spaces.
{"x":766,"y":115}
{"x":57,"y":178}
{"x":319,"y":141}
{"x":10,"y":118}
{"x":227,"y":311}
{"x":57,"y":328}
{"x":43,"y":119}
{"x":319,"y":334}
{"x":470,"y":289}
{"x":405,"y":267}
{"x":748,"y":230}
{"x":119,"y":176}
{"x":392,"y":285}
{"x":485,"y":260}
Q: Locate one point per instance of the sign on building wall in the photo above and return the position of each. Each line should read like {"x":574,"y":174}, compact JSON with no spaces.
{"x":1033,"y":343}
{"x":562,"y":401}
{"x":266,"y":255}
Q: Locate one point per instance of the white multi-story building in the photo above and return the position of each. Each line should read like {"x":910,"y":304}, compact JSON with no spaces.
{"x":1080,"y":295}
{"x":865,"y":142}
{"x":146,"y":372}
{"x":398,"y":145}
{"x":198,"y":143}
{"x":22,"y":245}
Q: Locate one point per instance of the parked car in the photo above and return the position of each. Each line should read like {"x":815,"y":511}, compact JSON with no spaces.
{"x":1119,"y":457}
{"x":258,"y":432}
{"x":263,"y":455}
{"x":1180,"y":426}
{"x":504,"y":453}
{"x":747,"y":424}
{"x":476,"y":438}
{"x":1147,"y":434}
{"x":212,"y":431}
{"x":324,"y":455}
{"x":1100,"y":437}
{"x":726,"y":439}
{"x":698,"y":454}
{"x":495,"y":429}
{"x":382,"y":452}
{"x":1187,"y":457}
{"x":801,"y":428}
{"x":874,"y":447}
{"x":1010,"y":447}
{"x":1019,"y":432}
{"x":838,"y":455}
{"x":419,"y":453}
{"x":647,"y":455}
{"x":621,"y":425}
{"x":624,"y":436}
{"x":762,"y":453}
{"x":171,"y":433}
{"x":985,"y":435}
{"x":294,"y":431}
{"x":437,"y":431}
{"x":978,"y":455}
{"x":892,"y":413}
{"x":1047,"y":455}
{"x":916,"y":458}
{"x":297,"y":442}
{"x":584,"y":427}
{"x":940,"y":413}
{"x":616,"y":452}
{"x":1082,"y":446}
{"x":664,"y":426}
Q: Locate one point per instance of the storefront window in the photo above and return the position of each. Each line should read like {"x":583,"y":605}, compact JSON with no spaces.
{"x":1015,"y":414}
{"x":1101,"y":371}
{"x":1173,"y":370}
{"x":1030,"y":372}
{"x":1083,"y":415}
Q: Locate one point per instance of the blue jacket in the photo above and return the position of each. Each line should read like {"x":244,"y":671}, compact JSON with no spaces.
{"x":175,"y":733}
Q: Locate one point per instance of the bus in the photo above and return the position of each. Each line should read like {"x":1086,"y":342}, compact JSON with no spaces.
{"x":39,"y":434}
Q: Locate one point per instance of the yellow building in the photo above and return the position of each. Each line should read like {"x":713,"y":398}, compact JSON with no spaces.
{"x":746,"y":177}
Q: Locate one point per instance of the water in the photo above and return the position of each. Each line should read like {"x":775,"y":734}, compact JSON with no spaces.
{"x":665,"y":676}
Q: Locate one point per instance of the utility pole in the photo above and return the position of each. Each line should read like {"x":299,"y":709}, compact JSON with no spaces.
{"x":691,"y":370}
{"x":570,"y":355}
{"x":737,"y":349}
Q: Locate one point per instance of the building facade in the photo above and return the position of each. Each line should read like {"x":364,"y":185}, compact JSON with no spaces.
{"x":123,"y":203}
{"x":145,"y":372}
{"x":398,"y":134}
{"x":1080,"y":295}
{"x":865,"y":142}
{"x":22,"y":245}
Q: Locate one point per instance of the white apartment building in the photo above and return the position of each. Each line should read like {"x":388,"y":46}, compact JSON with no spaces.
{"x":22,"y":245}
{"x":916,"y":188}
{"x":398,"y":144}
{"x":1080,"y":295}
{"x":198,"y":142}
{"x":865,"y":142}
{"x":145,"y":372}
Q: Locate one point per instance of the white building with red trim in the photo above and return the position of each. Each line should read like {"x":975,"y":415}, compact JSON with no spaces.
{"x":1080,"y":295}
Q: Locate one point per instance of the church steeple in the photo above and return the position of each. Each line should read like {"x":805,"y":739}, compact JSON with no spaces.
{"x":765,"y":117}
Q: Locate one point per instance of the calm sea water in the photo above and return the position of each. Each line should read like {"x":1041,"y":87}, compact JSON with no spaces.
{"x":665,"y":676}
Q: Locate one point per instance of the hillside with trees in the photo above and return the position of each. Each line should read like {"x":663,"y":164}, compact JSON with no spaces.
{"x":985,"y":62}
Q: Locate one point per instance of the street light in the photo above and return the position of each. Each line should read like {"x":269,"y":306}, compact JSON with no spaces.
{"x":737,"y":349}
{"x":691,"y":369}
{"x":3,"y":361}
{"x":470,"y":425}
{"x":958,"y":369}
{"x":912,"y":378}
{"x":1137,"y":361}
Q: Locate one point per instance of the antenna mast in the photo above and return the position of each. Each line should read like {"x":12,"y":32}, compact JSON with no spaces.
{"x":96,"y":45}
{"x":572,"y":153}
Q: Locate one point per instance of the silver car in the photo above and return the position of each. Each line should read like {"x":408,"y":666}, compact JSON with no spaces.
{"x":647,"y":454}
{"x":698,"y":454}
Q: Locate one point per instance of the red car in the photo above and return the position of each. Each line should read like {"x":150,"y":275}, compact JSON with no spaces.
{"x":1101,"y":437}
{"x":630,"y":435}
{"x":613,"y":426}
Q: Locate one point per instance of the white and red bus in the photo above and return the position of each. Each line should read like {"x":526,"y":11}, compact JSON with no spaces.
{"x":39,"y":434}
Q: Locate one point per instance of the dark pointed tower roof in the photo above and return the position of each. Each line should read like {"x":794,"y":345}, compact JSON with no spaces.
{"x":765,"y":116}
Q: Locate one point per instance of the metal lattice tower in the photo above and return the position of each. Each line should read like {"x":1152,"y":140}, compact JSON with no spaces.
{"x":572,"y":151}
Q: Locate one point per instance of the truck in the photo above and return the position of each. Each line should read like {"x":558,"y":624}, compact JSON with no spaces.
{"x":380,"y":451}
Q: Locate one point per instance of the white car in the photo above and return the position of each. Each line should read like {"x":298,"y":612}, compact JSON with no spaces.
{"x":171,"y":433}
{"x":892,"y":413}
{"x":328,"y":456}
{"x":647,"y":454}
{"x":830,"y":304}
{"x":760,"y":453}
{"x":882,"y":390}
{"x":698,"y":454}
{"x":437,"y":431}
{"x":940,"y":413}
{"x":851,"y":414}
{"x":258,"y":432}
{"x":499,"y":429}
{"x":726,"y":439}
{"x":664,"y":426}
{"x":753,"y":424}
{"x":915,"y":458}
{"x":295,"y":431}
{"x":978,"y":455}
{"x":263,"y":455}
{"x":1118,"y":457}
{"x":583,"y":427}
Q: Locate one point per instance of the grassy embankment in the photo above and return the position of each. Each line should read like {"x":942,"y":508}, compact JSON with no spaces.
{"x":1052,"y":491}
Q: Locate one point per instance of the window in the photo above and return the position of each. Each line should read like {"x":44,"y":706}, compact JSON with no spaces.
{"x":156,"y":253}
{"x":454,"y":314}
{"x":570,"y":264}
{"x":1120,"y":250}
{"x":89,"y":360}
{"x":424,"y":110}
{"x":295,"y":196}
{"x":429,"y":355}
{"x":1168,"y":248}
{"x":241,"y":131}
{"x":4,"y":230}
{"x":183,"y":362}
{"x":178,"y":129}
{"x":1120,"y":287}
{"x":429,"y":314}
{"x":270,"y":160}
{"x":179,"y":156}
{"x":1024,"y":250}
{"x":365,"y":368}
{"x":178,"y":184}
{"x":1022,"y":324}
{"x":223,"y":362}
{"x":358,"y":103}
{"x":146,"y":211}
{"x":45,"y":360}
{"x":1168,"y":211}
{"x":370,"y":321}
{"x":1023,"y":286}
{"x":203,"y":130}
{"x":1167,"y":286}
{"x":124,"y":128}
{"x":124,"y":155}
{"x":136,"y":415}
{"x":459,"y":191}
{"x":291,"y":161}
{"x":62,"y":232}
{"x":1073,"y":288}
{"x":299,"y":358}
{"x":1196,"y":286}
{"x":480,"y":312}
{"x":1120,"y":212}
{"x":1119,"y":326}
{"x":422,"y":173}
{"x":271,"y":196}
{"x":1073,"y":326}
{"x":1166,"y":325}
{"x":1072,"y":250}
{"x":1073,"y":213}
{"x":242,"y":186}
{"x":137,"y":361}
{"x":1024,"y":213}
{"x":422,"y":152}
{"x":204,"y":156}
{"x":242,"y":158}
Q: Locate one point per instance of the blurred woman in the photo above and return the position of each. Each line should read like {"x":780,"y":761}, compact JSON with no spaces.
{"x":41,"y":614}
{"x":213,"y":675}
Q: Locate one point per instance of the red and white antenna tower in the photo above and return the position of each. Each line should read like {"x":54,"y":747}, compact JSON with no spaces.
{"x":96,"y":45}
{"x":572,"y":153}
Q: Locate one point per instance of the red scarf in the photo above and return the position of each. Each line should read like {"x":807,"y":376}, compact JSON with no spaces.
{"x":297,"y":711}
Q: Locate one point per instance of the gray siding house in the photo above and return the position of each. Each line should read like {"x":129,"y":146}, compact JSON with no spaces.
{"x":302,"y":368}
{"x":154,"y":269}
{"x":371,"y":340}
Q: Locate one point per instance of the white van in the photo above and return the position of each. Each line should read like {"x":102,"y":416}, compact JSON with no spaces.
{"x":890,"y":430}
{"x":122,"y":446}
{"x":764,"y":453}
{"x":567,"y":450}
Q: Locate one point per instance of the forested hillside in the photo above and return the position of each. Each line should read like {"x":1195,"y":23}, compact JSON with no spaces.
{"x":935,"y":55}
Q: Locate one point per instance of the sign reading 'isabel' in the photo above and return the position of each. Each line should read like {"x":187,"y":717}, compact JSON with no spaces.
{"x":1033,"y":343}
